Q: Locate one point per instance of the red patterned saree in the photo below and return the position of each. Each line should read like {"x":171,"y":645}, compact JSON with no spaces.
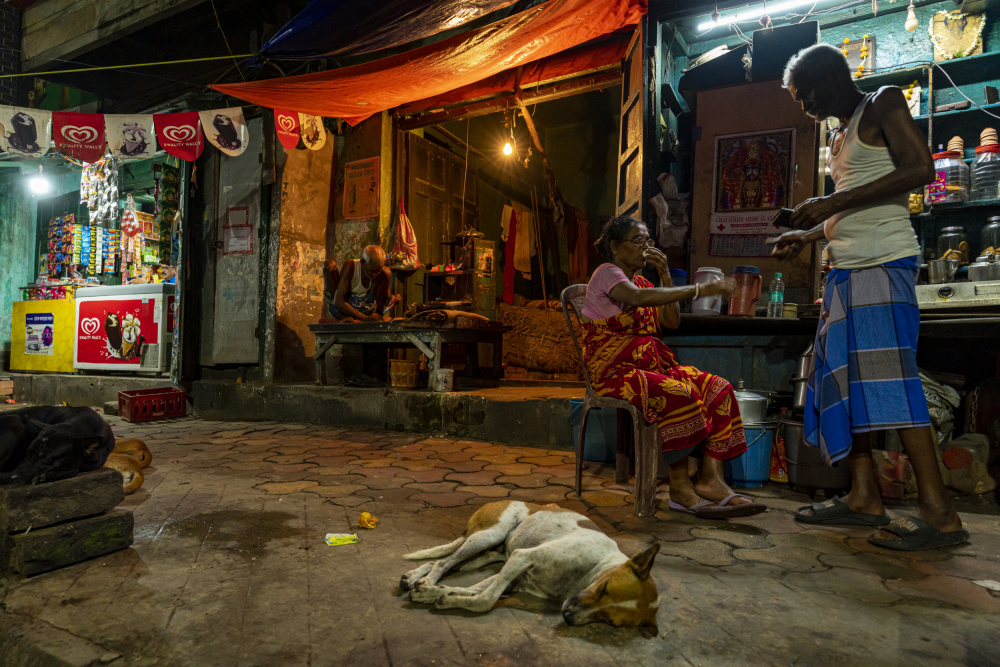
{"x":626,"y":359}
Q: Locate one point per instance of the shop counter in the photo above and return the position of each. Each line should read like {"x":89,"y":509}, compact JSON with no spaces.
{"x":42,"y":335}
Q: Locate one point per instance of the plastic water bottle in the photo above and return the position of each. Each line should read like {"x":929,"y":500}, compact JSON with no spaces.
{"x":776,"y":302}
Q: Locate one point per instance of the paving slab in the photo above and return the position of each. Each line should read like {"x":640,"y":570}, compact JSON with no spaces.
{"x":229,"y":567}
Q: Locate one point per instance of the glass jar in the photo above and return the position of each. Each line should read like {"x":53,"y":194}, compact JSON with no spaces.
{"x":989,"y":240}
{"x":951,"y":183}
{"x":953,"y":244}
{"x":985,"y":173}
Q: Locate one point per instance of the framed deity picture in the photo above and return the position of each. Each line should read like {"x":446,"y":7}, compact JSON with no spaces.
{"x":753,"y":178}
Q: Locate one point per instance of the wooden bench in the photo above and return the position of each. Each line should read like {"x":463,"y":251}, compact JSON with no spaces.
{"x":426,"y":339}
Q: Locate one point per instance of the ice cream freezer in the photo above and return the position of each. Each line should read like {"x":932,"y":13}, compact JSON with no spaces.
{"x":124,"y":328}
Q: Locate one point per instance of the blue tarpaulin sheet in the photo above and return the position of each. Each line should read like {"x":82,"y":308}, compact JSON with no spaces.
{"x":336,"y":28}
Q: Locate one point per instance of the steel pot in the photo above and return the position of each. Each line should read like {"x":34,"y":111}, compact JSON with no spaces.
{"x":753,"y":407}
{"x":799,"y":393}
{"x":941,"y":271}
{"x":986,"y":267}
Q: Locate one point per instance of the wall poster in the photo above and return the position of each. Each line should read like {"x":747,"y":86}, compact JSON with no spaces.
{"x":237,"y":233}
{"x":38,"y":333}
{"x":361,"y":189}
{"x":753,"y":177}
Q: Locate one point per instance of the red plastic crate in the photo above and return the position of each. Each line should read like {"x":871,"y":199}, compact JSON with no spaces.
{"x":141,"y":405}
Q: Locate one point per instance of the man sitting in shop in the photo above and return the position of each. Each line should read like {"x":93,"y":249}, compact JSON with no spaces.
{"x":864,"y":376}
{"x":362,"y":288}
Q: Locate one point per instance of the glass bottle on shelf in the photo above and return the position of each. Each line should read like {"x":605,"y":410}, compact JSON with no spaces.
{"x":951,"y":184}
{"x":953,"y":244}
{"x":989,"y":239}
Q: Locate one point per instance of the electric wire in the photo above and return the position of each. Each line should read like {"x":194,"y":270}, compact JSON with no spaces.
{"x":219,"y":24}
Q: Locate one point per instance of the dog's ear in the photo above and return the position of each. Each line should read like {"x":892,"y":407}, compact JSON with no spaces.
{"x":642,"y":563}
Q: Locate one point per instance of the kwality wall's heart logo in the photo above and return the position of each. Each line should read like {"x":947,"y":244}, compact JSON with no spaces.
{"x":90,"y":325}
{"x":286,"y":126}
{"x":180,"y":133}
{"x":78,"y":135}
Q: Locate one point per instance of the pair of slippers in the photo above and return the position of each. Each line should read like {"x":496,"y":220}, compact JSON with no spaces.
{"x":914,"y":533}
{"x":706,"y":509}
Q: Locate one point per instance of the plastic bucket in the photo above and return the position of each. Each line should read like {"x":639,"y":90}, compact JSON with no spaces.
{"x":601,"y":440}
{"x":752,"y":467}
{"x":403,"y":374}
{"x":707,"y":305}
{"x":444,"y":379}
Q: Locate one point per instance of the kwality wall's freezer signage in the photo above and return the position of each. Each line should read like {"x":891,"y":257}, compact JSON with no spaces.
{"x":116,"y":331}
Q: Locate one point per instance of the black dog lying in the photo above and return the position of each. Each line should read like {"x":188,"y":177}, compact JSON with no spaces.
{"x":46,"y":443}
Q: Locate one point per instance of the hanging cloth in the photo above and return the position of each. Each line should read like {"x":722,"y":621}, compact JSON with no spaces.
{"x":508,"y":261}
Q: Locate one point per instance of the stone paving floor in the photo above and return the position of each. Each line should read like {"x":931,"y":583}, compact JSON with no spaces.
{"x":229,"y":567}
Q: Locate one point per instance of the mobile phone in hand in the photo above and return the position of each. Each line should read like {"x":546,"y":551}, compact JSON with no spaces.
{"x":783,"y":218}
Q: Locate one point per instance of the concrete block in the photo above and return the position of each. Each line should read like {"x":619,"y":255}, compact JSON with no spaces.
{"x":6,"y":387}
{"x":39,"y":505}
{"x":111,"y":408}
{"x":38,"y":551}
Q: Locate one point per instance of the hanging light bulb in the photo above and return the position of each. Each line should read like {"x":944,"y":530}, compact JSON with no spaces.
{"x":911,"y":18}
{"x":507,"y":148}
{"x":38,"y":184}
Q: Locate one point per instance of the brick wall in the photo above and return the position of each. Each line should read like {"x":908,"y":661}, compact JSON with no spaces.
{"x":10,"y":52}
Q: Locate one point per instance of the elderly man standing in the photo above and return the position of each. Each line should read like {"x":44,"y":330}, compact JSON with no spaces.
{"x":865,"y":374}
{"x":363,"y":287}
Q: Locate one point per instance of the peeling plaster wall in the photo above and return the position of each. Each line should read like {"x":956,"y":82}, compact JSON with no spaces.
{"x":306,"y":211}
{"x":17,"y":246}
{"x":346,"y":238}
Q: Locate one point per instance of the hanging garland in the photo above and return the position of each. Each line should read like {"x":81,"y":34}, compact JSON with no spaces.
{"x":954,"y":16}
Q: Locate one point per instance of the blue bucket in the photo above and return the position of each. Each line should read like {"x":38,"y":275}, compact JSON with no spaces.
{"x":602,"y":431}
{"x":751,"y":468}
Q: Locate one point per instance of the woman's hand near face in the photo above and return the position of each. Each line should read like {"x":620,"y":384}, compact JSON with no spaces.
{"x":658,"y":260}
{"x":723,"y":286}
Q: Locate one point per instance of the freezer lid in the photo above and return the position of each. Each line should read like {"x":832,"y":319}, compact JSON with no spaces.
{"x":155,"y":289}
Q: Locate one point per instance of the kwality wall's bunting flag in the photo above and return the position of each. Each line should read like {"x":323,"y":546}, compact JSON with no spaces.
{"x":286,"y":126}
{"x":79,"y":135}
{"x":25,"y":131}
{"x":180,"y":134}
{"x":130,"y":137}
{"x":226,"y":130}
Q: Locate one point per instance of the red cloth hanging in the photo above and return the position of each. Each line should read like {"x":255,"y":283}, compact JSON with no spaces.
{"x":355,"y":93}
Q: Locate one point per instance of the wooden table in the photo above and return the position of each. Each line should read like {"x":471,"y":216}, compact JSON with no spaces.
{"x":426,"y":339}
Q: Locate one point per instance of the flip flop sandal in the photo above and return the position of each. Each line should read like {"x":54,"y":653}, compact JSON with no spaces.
{"x":723,"y":510}
{"x":695,"y":510}
{"x":915,"y":534}
{"x":834,"y":512}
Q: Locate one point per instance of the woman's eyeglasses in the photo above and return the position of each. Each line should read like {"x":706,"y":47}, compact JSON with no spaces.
{"x":641,"y":241}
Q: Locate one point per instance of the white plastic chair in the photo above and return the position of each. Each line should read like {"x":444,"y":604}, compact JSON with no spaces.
{"x":646,"y":437}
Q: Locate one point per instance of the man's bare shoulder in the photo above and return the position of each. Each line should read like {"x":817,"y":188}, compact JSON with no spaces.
{"x":889,"y":99}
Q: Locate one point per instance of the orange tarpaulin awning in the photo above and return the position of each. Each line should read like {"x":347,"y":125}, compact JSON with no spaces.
{"x":355,"y":93}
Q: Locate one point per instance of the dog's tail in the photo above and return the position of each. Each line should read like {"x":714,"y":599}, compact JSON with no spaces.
{"x":436,"y":552}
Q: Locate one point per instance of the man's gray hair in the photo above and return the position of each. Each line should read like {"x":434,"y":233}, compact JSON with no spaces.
{"x":816,"y":63}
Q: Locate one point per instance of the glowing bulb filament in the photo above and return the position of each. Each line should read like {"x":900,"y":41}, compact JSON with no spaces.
{"x":507,"y":148}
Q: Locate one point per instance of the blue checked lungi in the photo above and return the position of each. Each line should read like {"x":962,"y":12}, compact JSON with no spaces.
{"x":864,"y":375}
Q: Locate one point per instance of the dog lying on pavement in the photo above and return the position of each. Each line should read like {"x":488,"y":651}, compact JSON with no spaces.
{"x":46,"y":443}
{"x":548,"y":552}
{"x":129,"y":457}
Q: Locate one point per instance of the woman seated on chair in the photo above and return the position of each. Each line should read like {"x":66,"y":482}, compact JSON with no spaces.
{"x":696,"y":412}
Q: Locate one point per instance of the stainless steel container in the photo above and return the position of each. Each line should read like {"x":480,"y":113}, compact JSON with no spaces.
{"x":753,"y":407}
{"x":799,"y":393}
{"x":806,"y":470}
{"x":986,"y":267}
{"x":941,"y":271}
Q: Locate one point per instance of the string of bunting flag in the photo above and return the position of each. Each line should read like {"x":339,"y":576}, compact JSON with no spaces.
{"x":83,"y":136}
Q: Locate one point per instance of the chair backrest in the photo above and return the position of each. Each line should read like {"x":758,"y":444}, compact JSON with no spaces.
{"x":573,"y":298}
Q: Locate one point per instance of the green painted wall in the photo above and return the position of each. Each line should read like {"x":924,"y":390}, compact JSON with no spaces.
{"x":18,"y":213}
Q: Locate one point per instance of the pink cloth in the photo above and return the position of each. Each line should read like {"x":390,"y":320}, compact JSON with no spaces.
{"x":599,"y":304}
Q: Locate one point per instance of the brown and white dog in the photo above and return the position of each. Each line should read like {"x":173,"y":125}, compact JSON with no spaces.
{"x":549,"y":552}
